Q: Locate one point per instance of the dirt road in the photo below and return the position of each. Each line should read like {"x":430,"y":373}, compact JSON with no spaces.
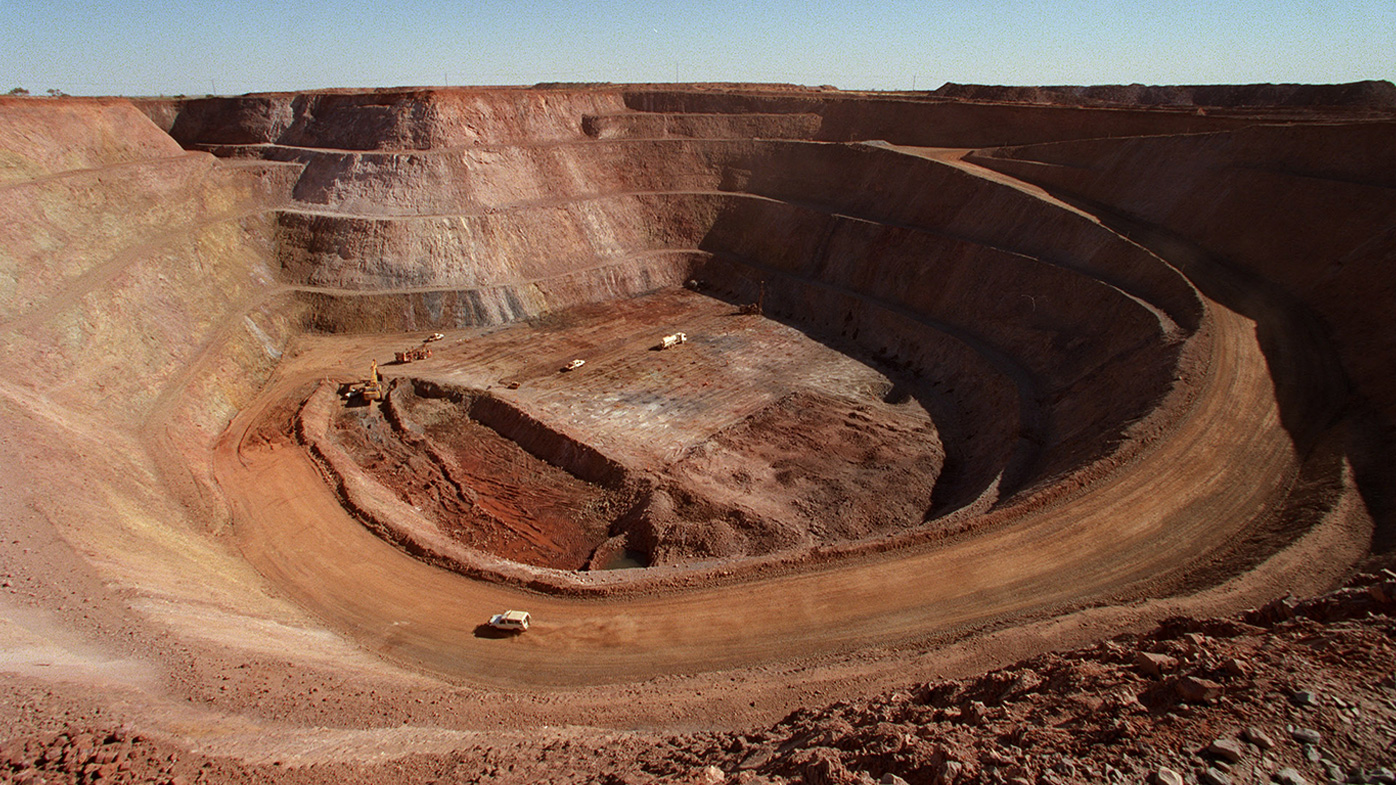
{"x":1125,"y":538}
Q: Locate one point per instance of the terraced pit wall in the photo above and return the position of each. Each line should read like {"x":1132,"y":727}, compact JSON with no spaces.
{"x":478,"y":209}
{"x":450,"y":208}
{"x":134,"y":280}
{"x":151,"y":285}
{"x":154,"y":285}
{"x":1303,"y":214}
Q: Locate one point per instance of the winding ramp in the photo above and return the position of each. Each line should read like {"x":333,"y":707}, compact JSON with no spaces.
{"x":1137,"y":412}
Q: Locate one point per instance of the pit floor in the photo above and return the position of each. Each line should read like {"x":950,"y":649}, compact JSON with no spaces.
{"x":637,"y":404}
{"x":770,"y":439}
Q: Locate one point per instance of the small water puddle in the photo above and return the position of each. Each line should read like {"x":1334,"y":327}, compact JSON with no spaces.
{"x":627,"y":560}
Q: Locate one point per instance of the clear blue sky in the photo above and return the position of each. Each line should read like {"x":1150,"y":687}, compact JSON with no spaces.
{"x":200,"y":46}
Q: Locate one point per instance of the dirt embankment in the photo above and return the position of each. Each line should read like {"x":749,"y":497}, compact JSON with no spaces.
{"x":1307,"y":223}
{"x":443,"y":457}
{"x":1369,"y":94}
{"x":140,"y":287}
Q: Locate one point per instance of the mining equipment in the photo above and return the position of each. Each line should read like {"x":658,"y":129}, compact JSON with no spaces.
{"x":670,"y":341}
{"x":758,"y":306}
{"x":419,"y":353}
{"x":574,"y":365}
{"x":371,"y":388}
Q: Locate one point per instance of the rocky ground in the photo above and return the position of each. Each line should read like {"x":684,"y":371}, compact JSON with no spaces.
{"x":1294,"y":692}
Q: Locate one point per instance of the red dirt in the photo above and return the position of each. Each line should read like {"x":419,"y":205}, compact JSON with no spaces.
{"x":482,"y":488}
{"x":745,"y":466}
{"x":1004,"y":404}
{"x":843,"y":470}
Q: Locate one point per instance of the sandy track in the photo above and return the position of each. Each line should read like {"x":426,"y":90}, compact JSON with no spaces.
{"x":1222,"y":469}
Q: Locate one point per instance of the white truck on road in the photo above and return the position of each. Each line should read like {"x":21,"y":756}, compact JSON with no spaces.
{"x":512,"y":621}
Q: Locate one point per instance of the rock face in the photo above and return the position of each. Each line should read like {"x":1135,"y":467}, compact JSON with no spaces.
{"x":1146,"y":350}
{"x":1282,"y":188}
{"x":1057,"y":346}
{"x":137,"y":280}
{"x":1358,"y":96}
{"x":436,"y":210}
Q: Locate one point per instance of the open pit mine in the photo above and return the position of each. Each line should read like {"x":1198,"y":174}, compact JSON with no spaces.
{"x":756,"y":398}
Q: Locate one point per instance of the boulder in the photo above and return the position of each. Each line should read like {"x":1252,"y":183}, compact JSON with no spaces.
{"x":1306,"y":736}
{"x":1151,"y":664}
{"x":1258,"y":737}
{"x":1166,"y":776}
{"x":1226,"y":749}
{"x":1210,"y":776}
{"x":1196,"y":690}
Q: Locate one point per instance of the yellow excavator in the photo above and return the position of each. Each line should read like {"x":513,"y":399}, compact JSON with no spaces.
{"x":373,"y":388}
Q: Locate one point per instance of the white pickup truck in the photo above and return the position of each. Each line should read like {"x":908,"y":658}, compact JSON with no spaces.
{"x":513,"y":621}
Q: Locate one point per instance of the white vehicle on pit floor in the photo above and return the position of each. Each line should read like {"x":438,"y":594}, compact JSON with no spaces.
{"x":512,"y":621}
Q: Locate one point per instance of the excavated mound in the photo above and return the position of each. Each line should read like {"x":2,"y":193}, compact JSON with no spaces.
{"x":781,"y":444}
{"x":951,"y":367}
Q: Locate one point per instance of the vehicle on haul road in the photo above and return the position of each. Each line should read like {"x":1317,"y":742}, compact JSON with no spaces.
{"x":422,"y":352}
{"x":670,"y":341}
{"x":512,"y":621}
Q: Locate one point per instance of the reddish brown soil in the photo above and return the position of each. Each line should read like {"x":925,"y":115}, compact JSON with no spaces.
{"x":1013,"y":419}
{"x":1305,"y":687}
{"x":831,"y":469}
{"x":483,"y":489}
{"x":753,"y":469}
